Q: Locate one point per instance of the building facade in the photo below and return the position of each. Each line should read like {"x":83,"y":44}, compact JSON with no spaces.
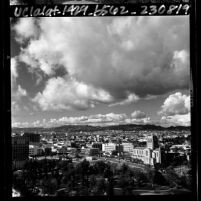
{"x":152,"y":142}
{"x":94,"y":151}
{"x":97,"y":145}
{"x":127,"y":147}
{"x":35,"y":150}
{"x":33,"y":138}
{"x":108,"y":147}
{"x":151,"y":154}
{"x":20,"y":151}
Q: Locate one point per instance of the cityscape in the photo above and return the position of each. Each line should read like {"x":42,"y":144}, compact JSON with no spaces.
{"x":100,"y":106}
{"x":102,"y":162}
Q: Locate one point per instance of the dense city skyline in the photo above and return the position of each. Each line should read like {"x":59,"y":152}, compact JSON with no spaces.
{"x":100,"y":71}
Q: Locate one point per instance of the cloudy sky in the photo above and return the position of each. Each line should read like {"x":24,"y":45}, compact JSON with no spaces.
{"x":100,"y":71}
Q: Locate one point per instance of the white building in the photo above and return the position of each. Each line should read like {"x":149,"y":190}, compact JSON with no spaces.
{"x":33,"y":150}
{"x":108,"y":147}
{"x":150,"y":154}
{"x":128,"y":147}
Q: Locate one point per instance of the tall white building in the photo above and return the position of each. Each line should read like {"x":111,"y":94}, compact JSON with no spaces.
{"x":150,"y":154}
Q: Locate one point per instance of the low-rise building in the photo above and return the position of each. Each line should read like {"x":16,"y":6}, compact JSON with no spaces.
{"x":62,"y":150}
{"x":94,"y":151}
{"x":127,"y":147}
{"x":108,"y":147}
{"x":33,"y":150}
{"x":97,"y":145}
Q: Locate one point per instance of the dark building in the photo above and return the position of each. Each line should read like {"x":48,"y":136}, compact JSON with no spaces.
{"x":97,"y":145}
{"x":20,"y":151}
{"x":169,"y":158}
{"x":62,"y":150}
{"x":48,"y":151}
{"x":33,"y":138}
{"x":94,"y":152}
{"x":152,"y":142}
{"x":119,"y":148}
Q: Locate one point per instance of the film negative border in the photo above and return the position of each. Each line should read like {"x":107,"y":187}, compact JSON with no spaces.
{"x":99,"y":10}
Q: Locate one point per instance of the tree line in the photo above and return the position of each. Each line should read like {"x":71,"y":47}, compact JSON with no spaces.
{"x":63,"y":178}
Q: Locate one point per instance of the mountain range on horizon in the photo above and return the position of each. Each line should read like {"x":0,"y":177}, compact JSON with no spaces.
{"x":88,"y":128}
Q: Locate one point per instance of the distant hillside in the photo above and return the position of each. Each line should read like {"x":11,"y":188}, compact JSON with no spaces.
{"x":87,"y":128}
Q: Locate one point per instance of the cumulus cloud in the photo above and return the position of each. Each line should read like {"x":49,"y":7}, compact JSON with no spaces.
{"x":95,"y":120}
{"x":176,"y":120}
{"x":20,"y":124}
{"x":132,"y":98}
{"x":16,"y":96}
{"x":102,"y":119}
{"x":13,"y":69}
{"x":109,"y":118}
{"x":176,"y":104}
{"x":125,"y":57}
{"x":15,"y":107}
{"x":176,"y":110}
{"x":68,"y":93}
{"x":17,"y":92}
{"x":138,"y":115}
{"x":20,"y":92}
{"x":146,"y":120}
{"x":26,"y":28}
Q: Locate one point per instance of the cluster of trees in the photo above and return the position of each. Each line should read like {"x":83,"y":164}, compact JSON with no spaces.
{"x":177,"y":140}
{"x":185,"y":180}
{"x":65,"y":178}
{"x":174,"y":159}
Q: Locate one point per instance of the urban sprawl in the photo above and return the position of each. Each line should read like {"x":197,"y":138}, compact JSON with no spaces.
{"x":106,"y":162}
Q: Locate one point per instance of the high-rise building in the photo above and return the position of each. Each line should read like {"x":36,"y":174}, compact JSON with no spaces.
{"x":33,"y":138}
{"x":20,"y":151}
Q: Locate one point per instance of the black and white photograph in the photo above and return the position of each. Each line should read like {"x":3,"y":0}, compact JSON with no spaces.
{"x":101,"y":106}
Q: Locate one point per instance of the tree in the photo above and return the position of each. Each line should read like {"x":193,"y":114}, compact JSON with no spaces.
{"x":107,"y":172}
{"x":92,"y":181}
{"x":100,"y":167}
{"x":124,"y":169}
{"x":140,"y":178}
{"x":123,"y":183}
{"x":151,"y":175}
{"x":101,"y":186}
{"x":110,"y":186}
{"x":159,"y":178}
{"x":172,"y":177}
